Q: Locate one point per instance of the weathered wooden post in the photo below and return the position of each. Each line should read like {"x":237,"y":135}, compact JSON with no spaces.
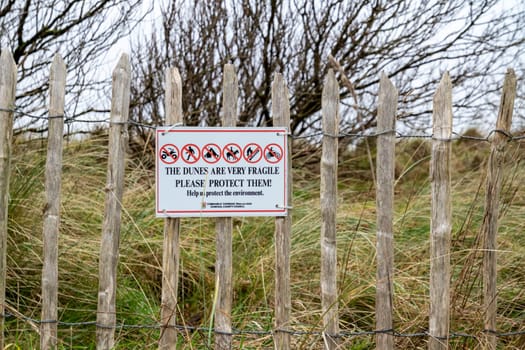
{"x":490,"y":219}
{"x":53,"y":183}
{"x":386,"y":143}
{"x":224,"y":229}
{"x":329,"y":298}
{"x":7,"y":105}
{"x":171,"y":246}
{"x":109,"y":245}
{"x":283,"y":225}
{"x":441,"y":217}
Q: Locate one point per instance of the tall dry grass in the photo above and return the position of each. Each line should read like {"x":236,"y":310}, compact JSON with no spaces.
{"x":139,"y":278}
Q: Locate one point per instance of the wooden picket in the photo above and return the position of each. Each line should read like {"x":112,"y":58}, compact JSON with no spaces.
{"x":329,"y":297}
{"x":224,"y":230}
{"x":53,"y":184}
{"x":109,"y":245}
{"x":441,"y":217}
{"x":492,"y":199}
{"x":7,"y":104}
{"x":386,"y":125}
{"x":283,"y":225}
{"x":171,"y":246}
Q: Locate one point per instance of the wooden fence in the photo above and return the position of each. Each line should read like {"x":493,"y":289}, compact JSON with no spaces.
{"x":440,"y":273}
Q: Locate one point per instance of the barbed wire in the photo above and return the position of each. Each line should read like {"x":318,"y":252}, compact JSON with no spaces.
{"x":399,"y":135}
{"x":237,"y":332}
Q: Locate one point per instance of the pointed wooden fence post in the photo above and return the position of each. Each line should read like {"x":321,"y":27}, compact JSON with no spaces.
{"x":386,"y":143}
{"x":329,"y":298}
{"x":7,"y":105}
{"x":53,"y":183}
{"x":224,"y":229}
{"x":171,"y":246}
{"x":441,"y":217}
{"x":490,"y":219}
{"x":283,"y":225}
{"x":109,"y":245}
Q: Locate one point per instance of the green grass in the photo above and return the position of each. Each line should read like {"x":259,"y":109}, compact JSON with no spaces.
{"x":140,"y":270}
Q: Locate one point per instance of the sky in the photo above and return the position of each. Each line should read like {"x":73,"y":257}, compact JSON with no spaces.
{"x":152,"y":11}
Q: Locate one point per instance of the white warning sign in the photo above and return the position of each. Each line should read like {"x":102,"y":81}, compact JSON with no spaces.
{"x":221,"y":172}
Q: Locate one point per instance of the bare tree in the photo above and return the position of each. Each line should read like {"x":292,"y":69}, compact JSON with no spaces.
{"x":82,"y":31}
{"x":413,"y":42}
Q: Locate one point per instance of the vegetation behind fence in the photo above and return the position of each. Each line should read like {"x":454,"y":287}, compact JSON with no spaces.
{"x":343,"y":270}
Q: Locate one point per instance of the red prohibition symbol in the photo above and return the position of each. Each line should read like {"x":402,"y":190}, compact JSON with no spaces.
{"x":211,"y":153}
{"x":273,"y":153}
{"x":232,"y":153}
{"x":252,"y":153}
{"x":169,"y":153}
{"x":190,"y":153}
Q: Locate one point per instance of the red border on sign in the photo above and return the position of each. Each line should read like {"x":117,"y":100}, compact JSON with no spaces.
{"x":168,"y":154}
{"x":228,"y":153}
{"x":252,"y":156}
{"x":164,"y":212}
{"x":209,"y":155}
{"x":269,"y":153}
{"x":193,"y":154}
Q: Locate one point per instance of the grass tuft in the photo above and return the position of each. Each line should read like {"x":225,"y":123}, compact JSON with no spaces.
{"x":140,"y":270}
